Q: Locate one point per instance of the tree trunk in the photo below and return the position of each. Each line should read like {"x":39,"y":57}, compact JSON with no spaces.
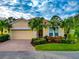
{"x":2,"y":31}
{"x":68,"y":31}
{"x":8,"y":29}
{"x":40,"y":33}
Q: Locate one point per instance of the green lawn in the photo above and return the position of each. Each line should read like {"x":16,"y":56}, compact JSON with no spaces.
{"x":58,"y":47}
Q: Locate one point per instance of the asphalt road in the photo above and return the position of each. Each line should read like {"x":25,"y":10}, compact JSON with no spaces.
{"x":40,"y":55}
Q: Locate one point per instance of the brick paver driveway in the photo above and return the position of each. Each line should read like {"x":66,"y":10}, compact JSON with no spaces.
{"x":16,"y":45}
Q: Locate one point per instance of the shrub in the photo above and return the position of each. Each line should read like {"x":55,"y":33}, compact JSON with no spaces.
{"x":4,"y":37}
{"x":56,"y":39}
{"x":51,"y":39}
{"x":37,"y":41}
{"x":45,"y":37}
{"x":69,"y":41}
{"x":71,"y":38}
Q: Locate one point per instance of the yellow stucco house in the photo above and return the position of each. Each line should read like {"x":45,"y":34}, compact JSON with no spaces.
{"x":5,"y":31}
{"x":21,"y":30}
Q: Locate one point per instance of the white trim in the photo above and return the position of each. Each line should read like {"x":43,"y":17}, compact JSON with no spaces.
{"x":48,"y":32}
{"x":20,"y":28}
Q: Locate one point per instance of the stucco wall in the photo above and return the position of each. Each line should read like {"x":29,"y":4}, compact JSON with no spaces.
{"x":20,"y":24}
{"x":21,"y":32}
{"x":61,"y":32}
{"x":45,"y":32}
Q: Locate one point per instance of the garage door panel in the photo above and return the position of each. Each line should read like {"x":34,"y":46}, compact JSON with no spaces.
{"x":22,"y":34}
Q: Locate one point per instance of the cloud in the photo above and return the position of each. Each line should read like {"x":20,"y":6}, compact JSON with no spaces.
{"x":67,"y":15}
{"x":5,"y":12}
{"x":10,"y":2}
{"x":72,"y":3}
{"x":71,"y":6}
{"x":34,"y":8}
{"x":34,"y":3}
{"x":30,"y":4}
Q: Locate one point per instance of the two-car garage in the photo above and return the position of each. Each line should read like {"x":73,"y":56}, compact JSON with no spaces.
{"x":21,"y":30}
{"x":21,"y":34}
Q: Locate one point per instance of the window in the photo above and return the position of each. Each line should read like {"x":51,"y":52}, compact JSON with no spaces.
{"x":50,"y":34}
{"x":56,"y":34}
{"x":56,"y":31}
{"x":53,"y":31}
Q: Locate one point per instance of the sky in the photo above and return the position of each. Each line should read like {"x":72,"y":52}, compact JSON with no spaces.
{"x":38,"y":8}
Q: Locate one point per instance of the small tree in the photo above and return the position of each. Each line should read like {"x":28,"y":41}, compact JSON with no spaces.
{"x":2,"y":26}
{"x":69,"y":25}
{"x":9,"y":22}
{"x":38,"y":25}
{"x":6,"y":24}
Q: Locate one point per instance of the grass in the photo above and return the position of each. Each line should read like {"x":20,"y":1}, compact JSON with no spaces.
{"x":58,"y":47}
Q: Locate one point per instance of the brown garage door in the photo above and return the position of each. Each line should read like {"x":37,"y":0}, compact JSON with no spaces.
{"x":21,"y":34}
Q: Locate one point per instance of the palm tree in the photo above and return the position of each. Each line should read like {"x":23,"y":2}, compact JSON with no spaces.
{"x":38,"y":25}
{"x":2,"y":26}
{"x":68,"y":24}
{"x":76,"y":18}
{"x":9,"y":22}
{"x":55,"y":22}
{"x":76,"y":22}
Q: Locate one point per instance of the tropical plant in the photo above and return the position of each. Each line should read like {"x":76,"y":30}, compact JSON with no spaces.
{"x":9,"y":22}
{"x":2,"y":26}
{"x":6,"y":24}
{"x":55,"y":21}
{"x":70,"y":25}
{"x":38,"y":25}
{"x":76,"y":18}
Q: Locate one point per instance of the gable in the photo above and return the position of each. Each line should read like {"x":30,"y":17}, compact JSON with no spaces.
{"x":20,"y":24}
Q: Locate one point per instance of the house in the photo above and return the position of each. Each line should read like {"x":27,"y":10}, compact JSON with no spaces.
{"x":5,"y":31}
{"x":21,"y":30}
